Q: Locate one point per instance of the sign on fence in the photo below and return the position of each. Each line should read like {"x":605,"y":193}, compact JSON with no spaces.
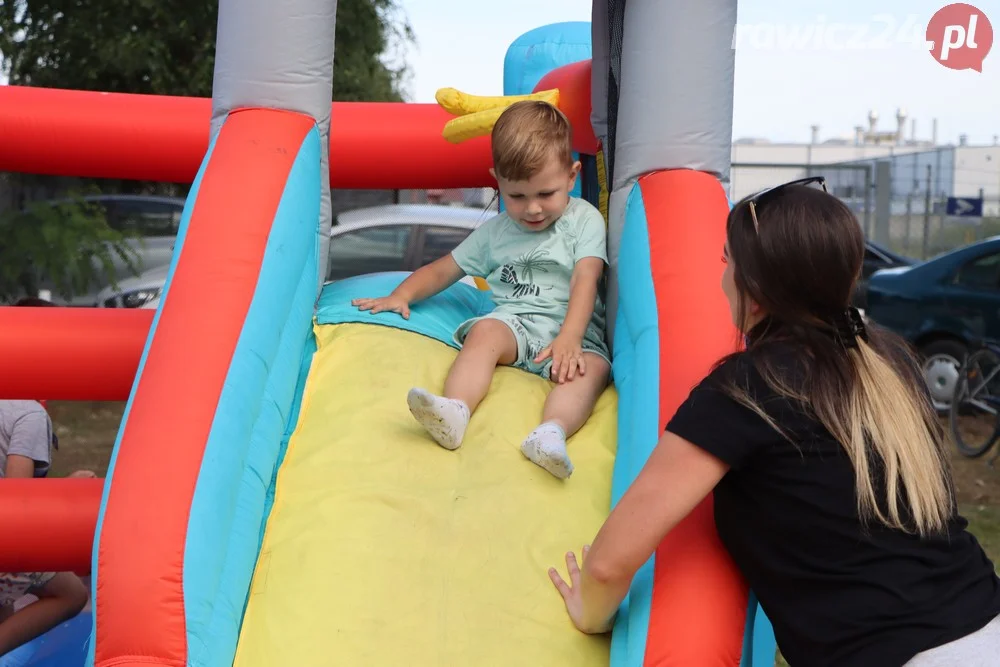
{"x":964,"y":207}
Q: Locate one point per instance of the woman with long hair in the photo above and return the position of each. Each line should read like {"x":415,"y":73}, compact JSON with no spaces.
{"x":832,"y":488}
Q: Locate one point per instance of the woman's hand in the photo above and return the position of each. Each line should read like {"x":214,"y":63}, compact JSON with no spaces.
{"x":572,"y":596}
{"x":677,"y":476}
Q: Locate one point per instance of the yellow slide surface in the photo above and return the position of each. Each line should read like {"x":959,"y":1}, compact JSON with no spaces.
{"x":384,"y":549}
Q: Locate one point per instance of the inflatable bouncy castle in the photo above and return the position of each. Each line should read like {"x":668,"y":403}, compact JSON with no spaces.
{"x":270,"y":500}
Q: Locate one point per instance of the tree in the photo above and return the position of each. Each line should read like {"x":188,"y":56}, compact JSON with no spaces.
{"x":368,"y":31}
{"x":66,"y":247}
{"x":167,"y":47}
{"x":160,"y":47}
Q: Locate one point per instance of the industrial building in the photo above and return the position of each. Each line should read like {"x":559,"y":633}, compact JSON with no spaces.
{"x":918,"y":165}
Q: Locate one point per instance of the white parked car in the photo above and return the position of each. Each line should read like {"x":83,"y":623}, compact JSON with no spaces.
{"x":393,"y":237}
{"x":142,"y":291}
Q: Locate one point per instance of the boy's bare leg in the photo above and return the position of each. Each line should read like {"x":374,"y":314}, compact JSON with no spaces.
{"x":570,"y":405}
{"x":567,"y":408}
{"x":488,"y":344}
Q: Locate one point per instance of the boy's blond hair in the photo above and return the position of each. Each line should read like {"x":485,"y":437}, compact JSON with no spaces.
{"x":526,"y":136}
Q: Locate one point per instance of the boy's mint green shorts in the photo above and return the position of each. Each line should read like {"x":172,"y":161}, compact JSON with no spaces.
{"x":533,"y":334}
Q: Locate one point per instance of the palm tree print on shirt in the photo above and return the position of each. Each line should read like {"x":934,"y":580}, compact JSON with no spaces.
{"x":528,"y":263}
{"x":534,"y":260}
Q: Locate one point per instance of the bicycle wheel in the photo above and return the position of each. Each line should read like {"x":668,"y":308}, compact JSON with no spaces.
{"x":973,"y":415}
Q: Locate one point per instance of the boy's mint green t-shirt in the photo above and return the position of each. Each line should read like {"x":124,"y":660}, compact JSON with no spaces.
{"x":529,"y":272}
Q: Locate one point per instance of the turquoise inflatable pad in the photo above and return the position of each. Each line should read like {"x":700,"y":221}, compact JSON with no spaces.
{"x":436,"y":317}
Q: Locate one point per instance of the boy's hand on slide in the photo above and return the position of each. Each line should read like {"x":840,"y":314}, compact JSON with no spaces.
{"x":567,"y":358}
{"x":390,"y":303}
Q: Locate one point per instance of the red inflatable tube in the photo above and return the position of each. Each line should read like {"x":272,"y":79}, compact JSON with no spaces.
{"x":699,"y":599}
{"x":71,"y":354}
{"x":162,"y":138}
{"x":573,"y":82}
{"x":48,"y":524}
{"x":140,"y":607}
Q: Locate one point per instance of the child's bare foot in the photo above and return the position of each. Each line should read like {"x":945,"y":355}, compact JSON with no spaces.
{"x":546,"y":447}
{"x":444,"y":418}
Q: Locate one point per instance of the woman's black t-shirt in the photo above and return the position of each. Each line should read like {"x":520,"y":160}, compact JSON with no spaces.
{"x":837,"y":592}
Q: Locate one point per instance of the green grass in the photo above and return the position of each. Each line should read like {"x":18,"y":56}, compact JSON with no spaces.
{"x":984,"y":523}
{"x":943,"y":237}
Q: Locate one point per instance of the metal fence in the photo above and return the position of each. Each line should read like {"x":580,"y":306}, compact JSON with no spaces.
{"x":898,"y":206}
{"x":852,"y":184}
{"x":923,"y":229}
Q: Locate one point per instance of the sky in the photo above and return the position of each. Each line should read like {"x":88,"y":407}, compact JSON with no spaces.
{"x":780,"y":89}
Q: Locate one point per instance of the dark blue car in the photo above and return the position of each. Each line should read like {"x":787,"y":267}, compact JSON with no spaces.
{"x":876,"y":259}
{"x":942,"y":307}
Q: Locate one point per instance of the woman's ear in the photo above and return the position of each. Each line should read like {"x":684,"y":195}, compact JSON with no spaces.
{"x":755,"y":312}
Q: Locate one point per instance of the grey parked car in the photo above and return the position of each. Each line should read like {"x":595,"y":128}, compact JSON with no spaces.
{"x":155,"y":221}
{"x":397,"y":237}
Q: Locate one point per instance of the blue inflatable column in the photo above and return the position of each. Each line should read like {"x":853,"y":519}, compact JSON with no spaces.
{"x":537,"y":52}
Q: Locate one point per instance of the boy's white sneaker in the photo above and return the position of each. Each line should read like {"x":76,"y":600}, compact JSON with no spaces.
{"x":445,"y":419}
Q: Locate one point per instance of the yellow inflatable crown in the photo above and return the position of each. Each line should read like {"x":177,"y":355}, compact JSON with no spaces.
{"x":476,"y":114}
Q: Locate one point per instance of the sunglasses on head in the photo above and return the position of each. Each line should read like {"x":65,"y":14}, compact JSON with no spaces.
{"x":757,"y":199}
